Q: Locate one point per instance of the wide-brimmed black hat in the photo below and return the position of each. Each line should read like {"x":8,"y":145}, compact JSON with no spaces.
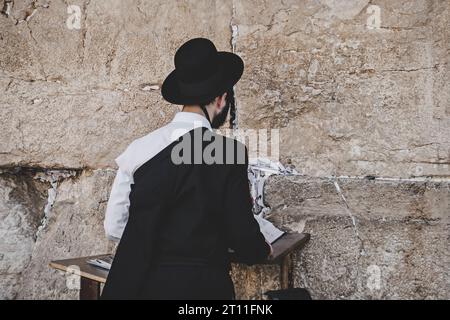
{"x":201,"y":73}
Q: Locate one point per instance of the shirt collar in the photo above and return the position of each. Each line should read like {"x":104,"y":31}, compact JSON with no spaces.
{"x":197,"y":120}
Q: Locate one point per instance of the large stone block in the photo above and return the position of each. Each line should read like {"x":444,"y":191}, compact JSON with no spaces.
{"x":349,"y":100}
{"x":74,"y":98}
{"x":49,"y":125}
{"x":350,"y":97}
{"x":48,"y":216}
{"x":74,"y":228}
{"x":370,"y":239}
{"x":21,"y":211}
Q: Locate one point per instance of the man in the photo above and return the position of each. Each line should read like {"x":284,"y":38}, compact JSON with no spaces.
{"x":176,"y":212}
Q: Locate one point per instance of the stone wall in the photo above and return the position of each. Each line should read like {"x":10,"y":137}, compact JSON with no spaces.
{"x":359,"y":90}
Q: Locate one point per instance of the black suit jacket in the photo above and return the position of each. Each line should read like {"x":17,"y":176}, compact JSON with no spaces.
{"x":186,"y":212}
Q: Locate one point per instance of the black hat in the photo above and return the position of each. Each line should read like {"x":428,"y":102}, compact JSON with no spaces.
{"x":201,"y":73}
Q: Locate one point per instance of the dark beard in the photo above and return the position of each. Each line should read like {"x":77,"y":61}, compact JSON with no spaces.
{"x":220,"y":118}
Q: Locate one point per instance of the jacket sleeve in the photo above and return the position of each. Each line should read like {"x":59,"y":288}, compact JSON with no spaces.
{"x":242,"y":229}
{"x":116,"y":215}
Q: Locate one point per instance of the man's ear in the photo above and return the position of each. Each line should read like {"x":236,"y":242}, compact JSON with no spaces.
{"x":220,"y":104}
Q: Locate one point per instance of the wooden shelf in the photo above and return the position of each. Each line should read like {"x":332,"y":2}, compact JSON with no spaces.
{"x":92,"y":276}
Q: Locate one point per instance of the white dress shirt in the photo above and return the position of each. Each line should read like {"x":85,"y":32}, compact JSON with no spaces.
{"x":136,"y":154}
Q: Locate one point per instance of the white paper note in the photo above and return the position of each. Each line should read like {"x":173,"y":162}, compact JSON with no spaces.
{"x":270,"y":232}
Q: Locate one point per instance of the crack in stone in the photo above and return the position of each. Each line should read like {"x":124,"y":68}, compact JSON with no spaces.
{"x":47,"y":79}
{"x":411,"y":70}
{"x":234,"y":28}
{"x":403,"y":161}
{"x":84,"y":30}
{"x":414,"y":146}
{"x":273,"y":17}
{"x":112,"y":55}
{"x":29,"y":13}
{"x":83,"y":92}
{"x":31,"y":34}
{"x":351,"y":215}
{"x":393,"y":179}
{"x":139,"y":9}
{"x":9,"y":85}
{"x":41,"y":66}
{"x":36,"y":169}
{"x":362,"y":251}
{"x":233,"y":40}
{"x":22,"y":137}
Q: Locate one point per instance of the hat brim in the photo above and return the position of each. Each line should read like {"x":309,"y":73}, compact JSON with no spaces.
{"x":233,"y":68}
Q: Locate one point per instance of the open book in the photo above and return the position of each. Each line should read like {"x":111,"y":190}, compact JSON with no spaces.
{"x":103,"y":262}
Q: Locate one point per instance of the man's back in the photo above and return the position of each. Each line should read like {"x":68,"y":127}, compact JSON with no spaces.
{"x":188,"y":209}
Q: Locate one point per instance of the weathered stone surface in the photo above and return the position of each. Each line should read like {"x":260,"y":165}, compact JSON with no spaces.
{"x":90,"y":88}
{"x":251,"y":282}
{"x":74,"y":228}
{"x":391,"y":261}
{"x":80,"y":130}
{"x":21,"y":210}
{"x":377,"y":199}
{"x":313,"y":69}
{"x":349,"y":100}
{"x":33,"y":234}
{"x":391,"y":242}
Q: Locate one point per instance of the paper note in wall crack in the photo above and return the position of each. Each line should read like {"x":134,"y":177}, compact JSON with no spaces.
{"x":270,"y":232}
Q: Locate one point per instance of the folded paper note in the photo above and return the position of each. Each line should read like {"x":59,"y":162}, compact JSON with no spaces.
{"x":258,"y":171}
{"x":270,"y":232}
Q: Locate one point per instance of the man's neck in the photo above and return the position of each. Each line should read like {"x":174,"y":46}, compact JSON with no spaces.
{"x":195,"y":109}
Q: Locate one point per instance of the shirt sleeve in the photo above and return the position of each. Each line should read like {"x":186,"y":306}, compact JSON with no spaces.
{"x":116,"y":216}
